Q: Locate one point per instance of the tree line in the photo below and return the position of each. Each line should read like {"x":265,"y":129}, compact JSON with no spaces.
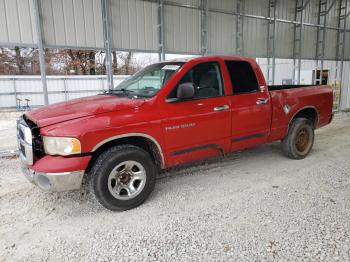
{"x":25,"y":61}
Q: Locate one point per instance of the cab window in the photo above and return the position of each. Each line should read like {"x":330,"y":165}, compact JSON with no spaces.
{"x":148,"y":81}
{"x":242,"y":77}
{"x":206,"y":79}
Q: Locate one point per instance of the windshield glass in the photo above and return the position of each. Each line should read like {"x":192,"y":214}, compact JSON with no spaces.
{"x":148,"y":81}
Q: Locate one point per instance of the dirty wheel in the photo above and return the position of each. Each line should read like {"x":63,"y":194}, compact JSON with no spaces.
{"x":127,"y":180}
{"x":123,"y":177}
{"x":299,"y":140}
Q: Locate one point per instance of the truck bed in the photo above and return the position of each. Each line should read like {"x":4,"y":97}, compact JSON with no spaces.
{"x":297,"y":97}
{"x":282,"y":87}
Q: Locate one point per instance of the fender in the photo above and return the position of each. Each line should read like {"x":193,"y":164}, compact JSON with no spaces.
{"x":303,"y":108}
{"x":132,"y":135}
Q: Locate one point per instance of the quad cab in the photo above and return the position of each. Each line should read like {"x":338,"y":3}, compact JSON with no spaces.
{"x":167,"y":114}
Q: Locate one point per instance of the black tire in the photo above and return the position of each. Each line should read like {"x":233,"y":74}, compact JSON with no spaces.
{"x":106,"y":163}
{"x":299,"y":140}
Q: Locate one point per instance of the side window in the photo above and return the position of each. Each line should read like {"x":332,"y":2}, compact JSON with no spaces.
{"x":206,"y":79}
{"x":242,"y":76}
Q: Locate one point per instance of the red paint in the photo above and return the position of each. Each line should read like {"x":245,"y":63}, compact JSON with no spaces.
{"x":96,"y":118}
{"x":77,"y":108}
{"x":59,"y":164}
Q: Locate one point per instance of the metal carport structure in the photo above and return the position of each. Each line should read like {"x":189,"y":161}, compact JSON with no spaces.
{"x":317,"y":30}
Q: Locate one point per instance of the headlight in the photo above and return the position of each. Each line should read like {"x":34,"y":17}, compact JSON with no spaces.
{"x":63,"y":146}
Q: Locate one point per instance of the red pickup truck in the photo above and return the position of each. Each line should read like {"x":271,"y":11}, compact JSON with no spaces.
{"x":167,"y":114}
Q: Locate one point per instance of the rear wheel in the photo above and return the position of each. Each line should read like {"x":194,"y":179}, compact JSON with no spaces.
{"x":123,"y":177}
{"x":299,"y":140}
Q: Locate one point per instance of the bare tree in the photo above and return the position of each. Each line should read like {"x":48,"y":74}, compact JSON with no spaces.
{"x":92,"y":63}
{"x":19,"y":61}
{"x":68,"y":61}
{"x":115,"y":62}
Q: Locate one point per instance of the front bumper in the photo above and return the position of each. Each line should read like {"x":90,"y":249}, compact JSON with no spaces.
{"x":55,"y":173}
{"x":55,"y":182}
{"x":50,"y":173}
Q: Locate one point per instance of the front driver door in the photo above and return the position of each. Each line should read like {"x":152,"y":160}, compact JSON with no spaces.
{"x":199,"y":127}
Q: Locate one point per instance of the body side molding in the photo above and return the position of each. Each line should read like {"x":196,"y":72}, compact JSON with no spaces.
{"x":241,"y":138}
{"x":195,"y":148}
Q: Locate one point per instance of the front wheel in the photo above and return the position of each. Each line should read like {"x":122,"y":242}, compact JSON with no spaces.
{"x":299,"y":140}
{"x":123,"y":177}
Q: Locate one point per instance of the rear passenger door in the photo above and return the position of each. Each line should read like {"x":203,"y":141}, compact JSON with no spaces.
{"x":250,"y":106}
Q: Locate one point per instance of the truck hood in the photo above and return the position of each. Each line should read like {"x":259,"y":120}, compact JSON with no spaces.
{"x":81,"y":107}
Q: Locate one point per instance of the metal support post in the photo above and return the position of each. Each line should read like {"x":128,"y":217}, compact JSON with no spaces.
{"x":204,"y":27}
{"x":297,"y":43}
{"x":330,"y":6}
{"x":161,"y":35}
{"x":41,"y":50}
{"x":271,"y":31}
{"x":65,"y":89}
{"x":106,"y":23}
{"x":239,"y":28}
{"x":321,"y":39}
{"x":15,"y":90}
{"x":340,"y":49}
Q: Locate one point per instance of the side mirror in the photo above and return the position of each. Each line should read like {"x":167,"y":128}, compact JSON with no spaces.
{"x":185,"y":91}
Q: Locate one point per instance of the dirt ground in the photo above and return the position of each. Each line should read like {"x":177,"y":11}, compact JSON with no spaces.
{"x":254,"y":205}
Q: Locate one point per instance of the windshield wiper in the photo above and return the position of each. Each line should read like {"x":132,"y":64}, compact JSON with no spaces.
{"x":121,"y":91}
{"x":126,"y":92}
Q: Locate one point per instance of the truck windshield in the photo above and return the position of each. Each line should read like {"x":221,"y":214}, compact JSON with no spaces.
{"x":148,"y":81}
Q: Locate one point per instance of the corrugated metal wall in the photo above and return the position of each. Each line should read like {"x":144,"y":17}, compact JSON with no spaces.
{"x":60,"y":88}
{"x":222,"y":38}
{"x":182,"y":27}
{"x":72,"y":23}
{"x":17,"y":22}
{"x":347,"y":46}
{"x":284,"y":70}
{"x":134,"y":26}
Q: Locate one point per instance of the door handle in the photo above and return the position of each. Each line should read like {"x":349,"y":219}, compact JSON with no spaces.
{"x":262,"y":101}
{"x":221,"y":108}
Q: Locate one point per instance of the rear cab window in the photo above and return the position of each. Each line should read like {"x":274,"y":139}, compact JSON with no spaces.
{"x":243,"y":78}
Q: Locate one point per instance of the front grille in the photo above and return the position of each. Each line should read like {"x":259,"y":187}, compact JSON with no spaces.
{"x":38,"y":146}
{"x":22,"y":149}
{"x":24,"y":136}
{"x":21,"y":134}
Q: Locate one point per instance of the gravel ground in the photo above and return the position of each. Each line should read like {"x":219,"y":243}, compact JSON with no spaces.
{"x":255,"y":205}
{"x":8,"y":130}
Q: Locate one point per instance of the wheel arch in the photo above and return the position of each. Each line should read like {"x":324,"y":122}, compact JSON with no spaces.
{"x":144,"y":141}
{"x":308,"y":112}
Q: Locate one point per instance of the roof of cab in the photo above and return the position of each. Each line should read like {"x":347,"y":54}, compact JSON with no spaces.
{"x":187,"y":59}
